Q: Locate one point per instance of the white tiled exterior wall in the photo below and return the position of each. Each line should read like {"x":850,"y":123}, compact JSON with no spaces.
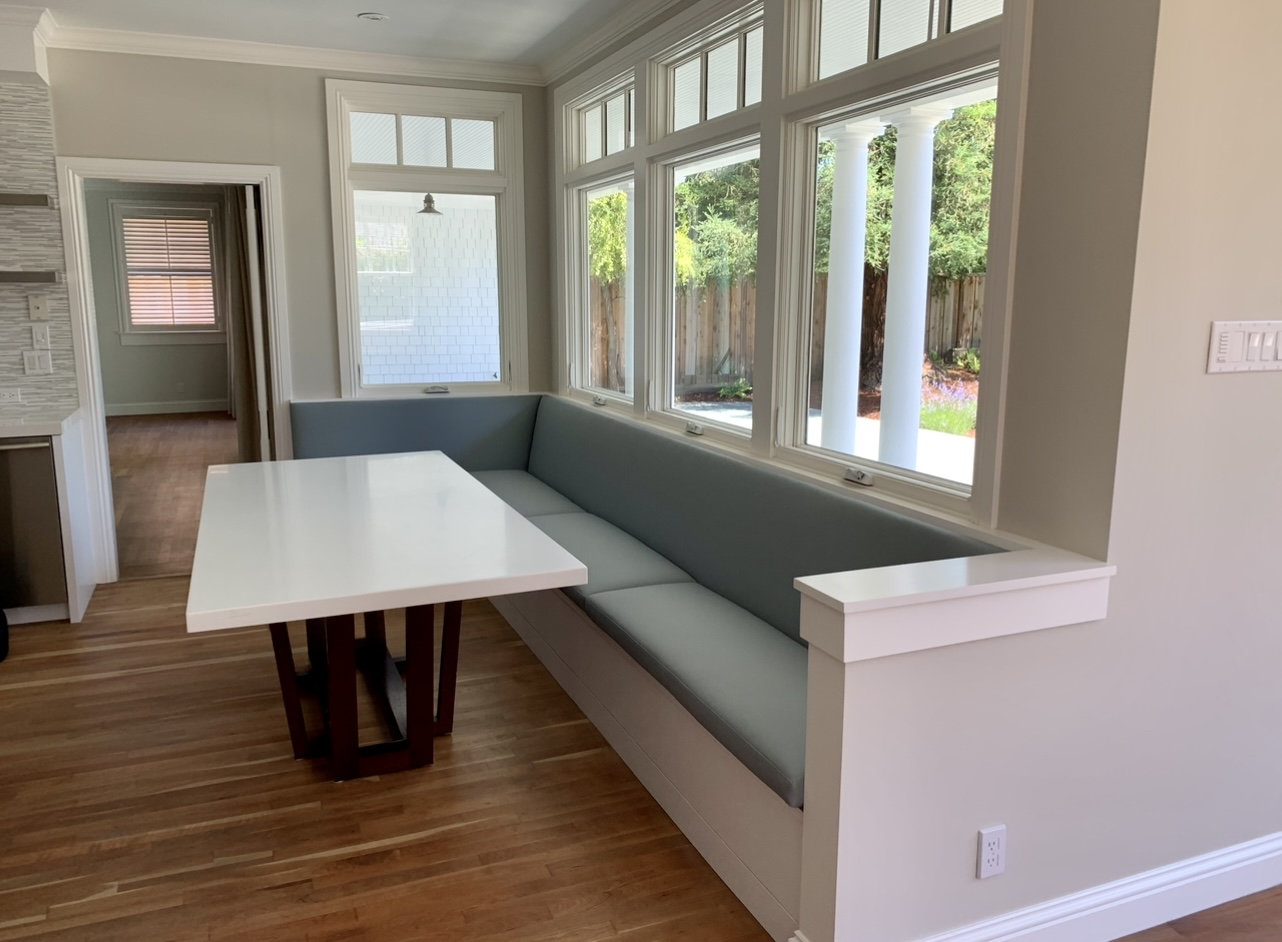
{"x":439,"y":323}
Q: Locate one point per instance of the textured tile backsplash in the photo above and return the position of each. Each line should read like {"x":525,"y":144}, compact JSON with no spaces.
{"x":31,"y":239}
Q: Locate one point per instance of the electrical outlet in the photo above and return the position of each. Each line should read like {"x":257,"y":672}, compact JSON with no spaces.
{"x":40,"y":336}
{"x":992,"y":852}
{"x":10,"y":395}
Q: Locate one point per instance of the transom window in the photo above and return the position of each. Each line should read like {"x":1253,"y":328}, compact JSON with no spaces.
{"x":718,"y":80}
{"x":608,"y":125}
{"x":855,"y":32}
{"x":428,"y":238}
{"x":410,"y":140}
{"x":167,"y":258}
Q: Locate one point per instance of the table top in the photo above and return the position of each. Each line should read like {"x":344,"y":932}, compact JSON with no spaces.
{"x":289,"y":540}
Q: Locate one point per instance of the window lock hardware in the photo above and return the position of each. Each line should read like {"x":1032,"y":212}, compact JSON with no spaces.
{"x":433,"y":390}
{"x":859,"y":476}
{"x":694,"y":428}
{"x":600,"y":401}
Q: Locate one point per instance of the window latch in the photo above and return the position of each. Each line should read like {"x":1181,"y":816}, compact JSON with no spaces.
{"x":433,"y":390}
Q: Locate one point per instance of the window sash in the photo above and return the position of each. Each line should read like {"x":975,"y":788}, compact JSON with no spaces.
{"x":168,"y":269}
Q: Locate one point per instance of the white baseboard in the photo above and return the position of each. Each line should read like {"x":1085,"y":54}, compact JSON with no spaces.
{"x":1113,"y":910}
{"x":167,"y":408}
{"x":34,"y":614}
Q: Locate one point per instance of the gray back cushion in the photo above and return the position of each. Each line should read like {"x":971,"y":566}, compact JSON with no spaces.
{"x":481,"y":433}
{"x":743,"y":531}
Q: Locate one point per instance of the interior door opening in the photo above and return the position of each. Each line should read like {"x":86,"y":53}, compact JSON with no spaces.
{"x":179,"y":309}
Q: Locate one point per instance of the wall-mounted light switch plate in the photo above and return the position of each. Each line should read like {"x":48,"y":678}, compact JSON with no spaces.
{"x":1245,"y":347}
{"x":36,"y":362}
{"x":40,"y":336}
{"x":38,"y":307}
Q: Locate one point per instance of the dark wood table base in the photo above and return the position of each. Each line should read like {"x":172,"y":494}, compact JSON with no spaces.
{"x":402,"y":687}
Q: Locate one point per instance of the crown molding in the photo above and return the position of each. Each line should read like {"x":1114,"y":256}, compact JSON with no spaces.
{"x":570,"y":60}
{"x":28,"y":17}
{"x":305,"y":57}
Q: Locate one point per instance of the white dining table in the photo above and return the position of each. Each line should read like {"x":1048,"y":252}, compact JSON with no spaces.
{"x":324,"y":540}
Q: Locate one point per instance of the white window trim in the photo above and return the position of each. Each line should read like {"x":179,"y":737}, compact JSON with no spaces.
{"x":506,"y":183}
{"x":176,"y":335}
{"x":791,"y":96}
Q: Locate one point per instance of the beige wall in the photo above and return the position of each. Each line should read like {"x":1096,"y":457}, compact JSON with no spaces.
{"x":154,"y":108}
{"x":1114,"y":748}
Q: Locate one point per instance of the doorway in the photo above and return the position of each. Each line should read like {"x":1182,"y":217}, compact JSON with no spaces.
{"x":174,"y":292}
{"x":178,"y":311}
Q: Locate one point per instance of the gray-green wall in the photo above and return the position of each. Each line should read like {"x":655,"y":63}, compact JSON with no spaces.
{"x":144,"y":378}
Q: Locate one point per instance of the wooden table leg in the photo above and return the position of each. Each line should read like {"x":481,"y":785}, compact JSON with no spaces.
{"x":289,"y":690}
{"x":376,"y":628}
{"x":449,"y":667}
{"x":344,"y":744}
{"x":314,"y":679}
{"x":419,"y":655}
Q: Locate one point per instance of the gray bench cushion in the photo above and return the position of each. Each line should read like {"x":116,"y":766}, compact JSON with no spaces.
{"x":740,"y":529}
{"x":739,"y":677}
{"x":614,"y":559}
{"x":479,"y":432}
{"x":525,"y":493}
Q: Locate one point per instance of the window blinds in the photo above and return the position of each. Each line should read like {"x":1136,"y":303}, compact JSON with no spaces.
{"x":169,"y":265}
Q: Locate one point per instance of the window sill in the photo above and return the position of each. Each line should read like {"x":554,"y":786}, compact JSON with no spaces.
{"x":171,"y":338}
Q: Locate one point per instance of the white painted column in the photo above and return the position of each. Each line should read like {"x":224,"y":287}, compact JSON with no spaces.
{"x":907,"y":283}
{"x":843,"y":326}
{"x":629,"y":303}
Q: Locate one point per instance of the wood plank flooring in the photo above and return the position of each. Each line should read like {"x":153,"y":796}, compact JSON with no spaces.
{"x":1256,"y":918}
{"x":158,"y":465}
{"x":147,"y":793}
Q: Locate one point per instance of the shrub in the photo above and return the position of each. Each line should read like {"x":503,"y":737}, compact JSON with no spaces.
{"x":738,"y":388}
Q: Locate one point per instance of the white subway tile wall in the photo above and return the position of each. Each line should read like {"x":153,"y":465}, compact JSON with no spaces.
{"x":434,"y":317}
{"x":31,"y":239}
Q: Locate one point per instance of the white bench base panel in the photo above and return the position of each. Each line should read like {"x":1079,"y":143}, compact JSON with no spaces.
{"x":747,"y":833}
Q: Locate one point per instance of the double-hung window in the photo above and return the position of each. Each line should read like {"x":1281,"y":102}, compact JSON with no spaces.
{"x":428,"y":238}
{"x":169,"y":270}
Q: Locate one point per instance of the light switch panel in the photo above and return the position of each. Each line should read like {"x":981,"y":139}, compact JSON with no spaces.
{"x":38,"y":307}
{"x":36,"y":362}
{"x":40,"y":336}
{"x":1245,"y":347}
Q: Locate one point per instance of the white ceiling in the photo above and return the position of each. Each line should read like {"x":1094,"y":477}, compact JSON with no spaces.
{"x":524,"y":32}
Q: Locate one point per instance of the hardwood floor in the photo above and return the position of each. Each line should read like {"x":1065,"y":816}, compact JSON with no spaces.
{"x":158,"y":465}
{"x":1253,"y":919}
{"x":147,"y":794}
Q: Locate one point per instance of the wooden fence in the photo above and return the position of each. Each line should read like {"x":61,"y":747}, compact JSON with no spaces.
{"x":716,"y":328}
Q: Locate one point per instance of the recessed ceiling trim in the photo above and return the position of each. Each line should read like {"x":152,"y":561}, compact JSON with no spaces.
{"x":304,"y":57}
{"x":602,"y":38}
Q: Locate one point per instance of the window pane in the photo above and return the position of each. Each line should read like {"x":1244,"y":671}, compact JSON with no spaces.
{"x":428,"y":294}
{"x":715,"y":278}
{"x":609,"y":303}
{"x":969,"y":12}
{"x":723,"y":79}
{"x":592,"y":134}
{"x":903,"y":24}
{"x":686,"y":79}
{"x":862,"y":336}
{"x":373,"y":138}
{"x":423,"y":141}
{"x":752,"y":67}
{"x":843,"y":35}
{"x":473,"y":144}
{"x":170,"y":271}
{"x":615,"y":124}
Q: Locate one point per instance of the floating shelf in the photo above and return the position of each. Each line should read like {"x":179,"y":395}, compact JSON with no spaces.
{"x":29,"y":277}
{"x":26,"y":199}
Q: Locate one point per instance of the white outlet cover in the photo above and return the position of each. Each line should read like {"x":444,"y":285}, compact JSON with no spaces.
{"x":10,"y":395}
{"x":991,"y":859}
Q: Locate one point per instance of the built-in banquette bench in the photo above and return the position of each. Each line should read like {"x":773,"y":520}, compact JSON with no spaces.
{"x":685,"y":648}
{"x":691,"y":553}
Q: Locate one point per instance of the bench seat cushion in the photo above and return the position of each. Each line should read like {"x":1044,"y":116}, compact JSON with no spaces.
{"x":739,"y":677}
{"x":526,"y":494}
{"x":614,"y":559}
